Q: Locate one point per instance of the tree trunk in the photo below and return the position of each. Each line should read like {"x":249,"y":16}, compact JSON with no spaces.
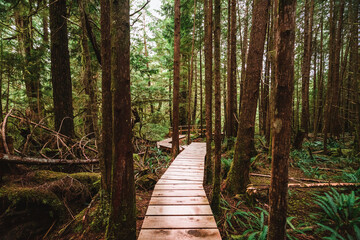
{"x":201,"y":95}
{"x":106,"y":131}
{"x":319,"y":97}
{"x":231,"y":83}
{"x":354,"y":72}
{"x":244,"y":52}
{"x":176,"y":86}
{"x":191,"y":76}
{"x":281,"y":122}
{"x":215,"y":198}
{"x":60,"y":69}
{"x":238,"y":176}
{"x":195,"y":93}
{"x":208,"y":88}
{"x":331,"y":116}
{"x":87,"y":79}
{"x":31,"y":68}
{"x":305,"y":113}
{"x":122,"y":220}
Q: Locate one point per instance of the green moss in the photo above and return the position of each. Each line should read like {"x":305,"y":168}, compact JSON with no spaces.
{"x":42,"y":176}
{"x":31,"y":197}
{"x":91,"y":180}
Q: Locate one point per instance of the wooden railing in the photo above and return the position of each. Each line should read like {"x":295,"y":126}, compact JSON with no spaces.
{"x":184,"y":129}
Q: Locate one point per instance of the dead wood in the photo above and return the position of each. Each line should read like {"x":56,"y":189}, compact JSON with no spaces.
{"x":43,"y":161}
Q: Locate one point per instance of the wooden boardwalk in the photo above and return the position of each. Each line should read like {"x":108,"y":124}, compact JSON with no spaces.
{"x":166,"y":143}
{"x":178,"y":207}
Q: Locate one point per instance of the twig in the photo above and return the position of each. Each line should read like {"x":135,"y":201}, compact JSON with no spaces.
{"x":3,"y":133}
{"x":132,"y":14}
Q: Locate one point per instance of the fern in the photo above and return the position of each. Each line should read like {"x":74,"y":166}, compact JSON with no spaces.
{"x":341,"y":214}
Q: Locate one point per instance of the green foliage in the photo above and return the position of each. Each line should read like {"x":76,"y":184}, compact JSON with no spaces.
{"x":303,"y":161}
{"x":225,"y":166}
{"x":340,"y":216}
{"x":351,"y":177}
{"x":154,"y":132}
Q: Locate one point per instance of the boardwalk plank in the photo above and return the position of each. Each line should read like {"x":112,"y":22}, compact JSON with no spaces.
{"x":179,"y":193}
{"x":179,"y":201}
{"x":174,"y":222}
{"x":183,"y":234}
{"x":179,"y":210}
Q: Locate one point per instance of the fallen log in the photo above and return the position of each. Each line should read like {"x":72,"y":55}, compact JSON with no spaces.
{"x":305,"y":185}
{"x":290,"y":178}
{"x":43,"y":161}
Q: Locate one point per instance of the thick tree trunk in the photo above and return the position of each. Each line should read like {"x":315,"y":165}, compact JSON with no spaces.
{"x":176,"y":86}
{"x":208,"y":89}
{"x":238,"y":176}
{"x":106,"y":131}
{"x":122,"y":220}
{"x":215,"y":198}
{"x":281,"y":122}
{"x":60,"y":69}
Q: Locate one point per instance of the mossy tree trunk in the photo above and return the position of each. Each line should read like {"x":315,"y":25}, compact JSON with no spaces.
{"x":238,"y":176}
{"x":281,"y":120}
{"x":215,"y":198}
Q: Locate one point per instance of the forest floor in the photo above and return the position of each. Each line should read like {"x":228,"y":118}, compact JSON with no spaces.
{"x":67,"y":202}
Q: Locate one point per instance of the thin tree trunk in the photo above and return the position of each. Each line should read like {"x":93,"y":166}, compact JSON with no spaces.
{"x":208,"y":89}
{"x":238,"y":176}
{"x":231,"y":84}
{"x":176,"y":86}
{"x":191,"y":76}
{"x":281,"y":122}
{"x":195,"y":93}
{"x":244,"y":52}
{"x":215,"y":198}
{"x":201,"y":95}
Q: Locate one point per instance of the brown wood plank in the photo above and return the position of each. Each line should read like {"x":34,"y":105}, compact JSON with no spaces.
{"x":178,"y":186}
{"x":179,"y":201}
{"x":178,"y":193}
{"x":174,"y":222}
{"x":179,"y":234}
{"x":179,"y":210}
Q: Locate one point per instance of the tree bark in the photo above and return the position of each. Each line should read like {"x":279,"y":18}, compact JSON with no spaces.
{"x":60,"y":69}
{"x":176,"y":86}
{"x":122,"y":220}
{"x":91,"y":119}
{"x":208,"y":89}
{"x":106,"y":131}
{"x":305,"y":112}
{"x":238,"y":176}
{"x":231,"y":83}
{"x":281,"y":122}
{"x":215,"y":198}
{"x":191,"y":76}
